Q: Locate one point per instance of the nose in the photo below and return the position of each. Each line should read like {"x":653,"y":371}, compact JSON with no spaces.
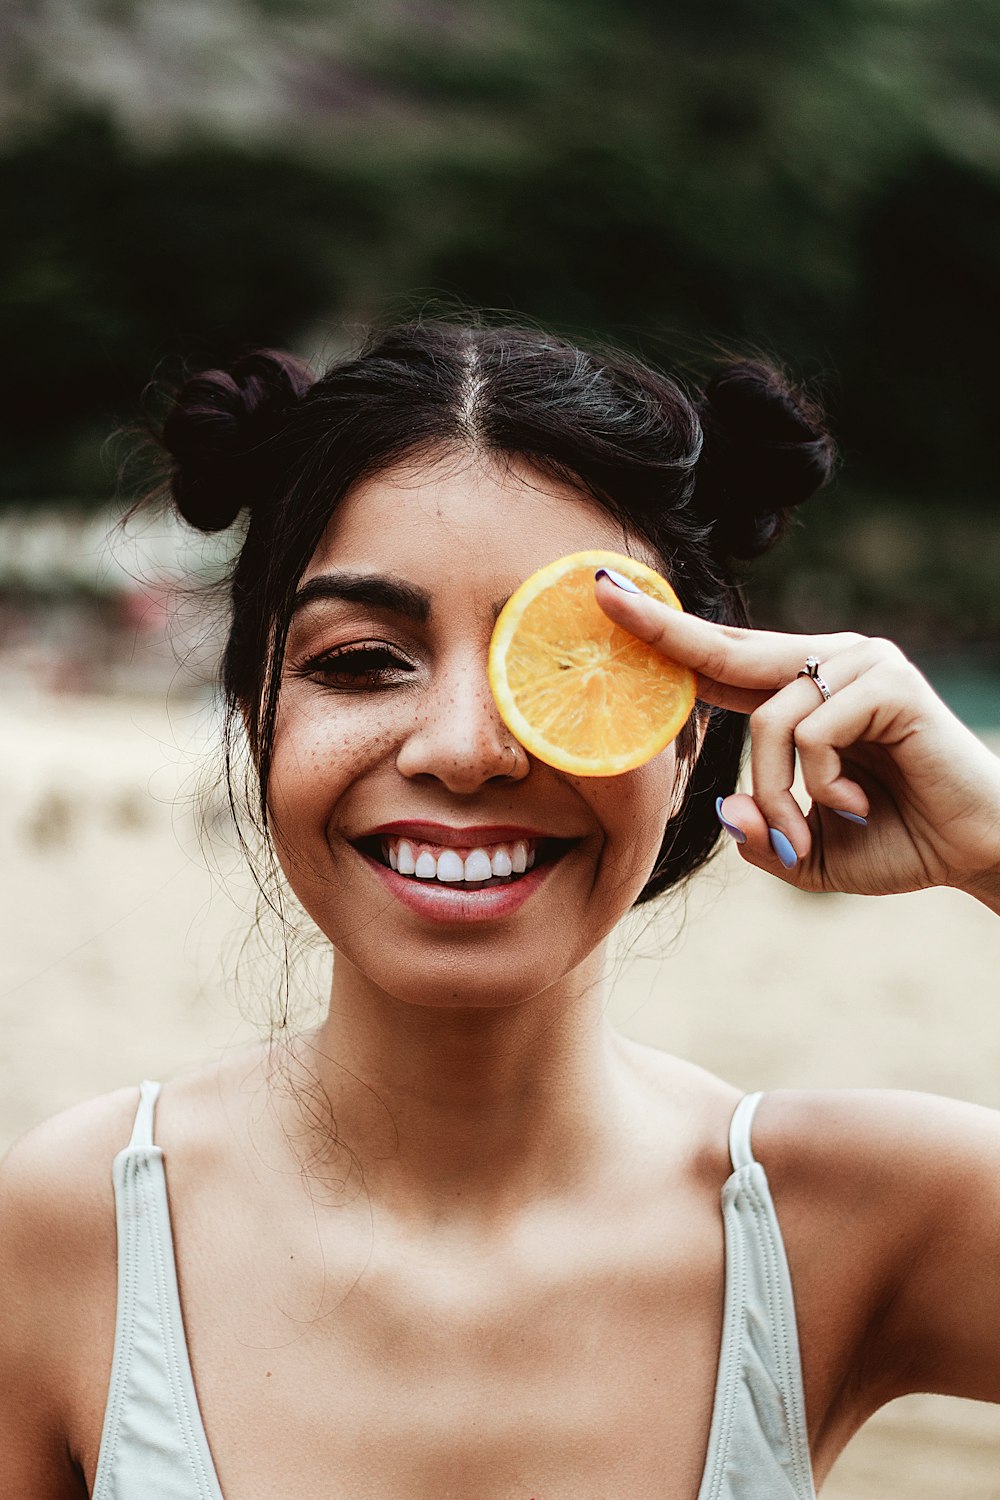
{"x":458,"y":736}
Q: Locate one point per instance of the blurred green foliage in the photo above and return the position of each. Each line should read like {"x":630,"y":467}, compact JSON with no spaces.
{"x":821,"y":181}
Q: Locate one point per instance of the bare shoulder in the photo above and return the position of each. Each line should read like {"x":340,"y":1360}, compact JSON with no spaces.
{"x":866,"y":1141}
{"x":58,"y":1268}
{"x":55,"y":1181}
{"x":891,"y":1167}
{"x":57,"y":1218}
{"x":890,"y":1206}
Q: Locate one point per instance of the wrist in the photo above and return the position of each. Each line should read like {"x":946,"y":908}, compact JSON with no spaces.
{"x":985,"y":888}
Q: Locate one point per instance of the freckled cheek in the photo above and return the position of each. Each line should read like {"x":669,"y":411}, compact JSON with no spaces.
{"x":316,"y":761}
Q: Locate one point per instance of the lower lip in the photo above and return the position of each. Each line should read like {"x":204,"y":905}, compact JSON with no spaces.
{"x":450,"y":903}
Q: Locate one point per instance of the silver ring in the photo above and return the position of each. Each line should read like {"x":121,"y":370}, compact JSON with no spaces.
{"x":513,"y":767}
{"x":811,"y":670}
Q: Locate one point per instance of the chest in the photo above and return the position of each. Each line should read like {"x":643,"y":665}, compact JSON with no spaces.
{"x":552,"y":1364}
{"x":517,"y":1424}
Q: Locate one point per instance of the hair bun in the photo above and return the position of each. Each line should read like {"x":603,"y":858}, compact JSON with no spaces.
{"x":766,"y":450}
{"x":219,"y":430}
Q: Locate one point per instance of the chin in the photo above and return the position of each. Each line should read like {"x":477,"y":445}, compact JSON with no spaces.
{"x":452,"y":981}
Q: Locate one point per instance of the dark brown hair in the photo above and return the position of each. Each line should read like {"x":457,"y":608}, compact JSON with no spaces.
{"x":704,"y":476}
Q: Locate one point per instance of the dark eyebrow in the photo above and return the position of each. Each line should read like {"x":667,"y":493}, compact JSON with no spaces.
{"x":380,"y":591}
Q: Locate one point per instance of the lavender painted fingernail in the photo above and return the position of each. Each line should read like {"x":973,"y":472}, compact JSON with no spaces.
{"x":851,"y":817}
{"x":783,"y":849}
{"x":731,"y":828}
{"x":618,"y":579}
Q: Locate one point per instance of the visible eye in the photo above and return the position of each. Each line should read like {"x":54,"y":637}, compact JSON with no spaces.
{"x":359,"y":666}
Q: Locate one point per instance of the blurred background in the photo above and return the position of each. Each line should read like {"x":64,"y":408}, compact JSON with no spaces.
{"x":820,"y":182}
{"x":179,"y":182}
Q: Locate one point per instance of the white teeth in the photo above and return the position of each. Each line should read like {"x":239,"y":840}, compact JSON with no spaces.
{"x":477,"y":865}
{"x":450,"y":865}
{"x":405,"y":862}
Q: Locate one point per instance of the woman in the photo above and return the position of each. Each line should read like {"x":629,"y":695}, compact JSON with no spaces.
{"x":472,"y":1244}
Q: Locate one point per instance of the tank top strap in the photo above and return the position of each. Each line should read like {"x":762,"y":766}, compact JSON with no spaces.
{"x":142,"y":1130}
{"x":759,"y":1442}
{"x":153,"y":1440}
{"x":741,"y":1125}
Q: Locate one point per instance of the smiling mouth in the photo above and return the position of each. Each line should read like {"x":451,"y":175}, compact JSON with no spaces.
{"x":477,"y":868}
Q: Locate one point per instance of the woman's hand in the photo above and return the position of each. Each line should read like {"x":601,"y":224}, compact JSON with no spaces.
{"x":883,"y":748}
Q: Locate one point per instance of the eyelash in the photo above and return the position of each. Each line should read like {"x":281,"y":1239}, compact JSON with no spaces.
{"x":359,"y":667}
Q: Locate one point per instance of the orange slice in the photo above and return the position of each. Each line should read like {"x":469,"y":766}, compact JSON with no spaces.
{"x":579,"y":692}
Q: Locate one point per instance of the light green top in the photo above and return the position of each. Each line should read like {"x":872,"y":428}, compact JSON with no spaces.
{"x":154,"y":1447}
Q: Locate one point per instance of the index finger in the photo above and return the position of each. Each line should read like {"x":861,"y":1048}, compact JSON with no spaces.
{"x":737,"y":668}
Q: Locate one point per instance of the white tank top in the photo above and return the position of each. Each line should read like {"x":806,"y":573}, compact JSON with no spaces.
{"x":154,"y":1447}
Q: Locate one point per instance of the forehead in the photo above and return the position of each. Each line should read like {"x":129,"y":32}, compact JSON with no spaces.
{"x":459,"y":518}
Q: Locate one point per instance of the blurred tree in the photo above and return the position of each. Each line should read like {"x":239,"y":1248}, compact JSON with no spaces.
{"x":923,"y":376}
{"x":819,"y":180}
{"x":115,"y":261}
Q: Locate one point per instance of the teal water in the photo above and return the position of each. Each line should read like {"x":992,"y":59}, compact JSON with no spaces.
{"x":969,"y":682}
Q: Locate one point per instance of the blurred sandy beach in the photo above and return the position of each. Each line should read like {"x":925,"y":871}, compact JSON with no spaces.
{"x":119,"y":945}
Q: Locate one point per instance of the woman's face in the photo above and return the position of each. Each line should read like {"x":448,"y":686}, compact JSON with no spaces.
{"x":389,"y":749}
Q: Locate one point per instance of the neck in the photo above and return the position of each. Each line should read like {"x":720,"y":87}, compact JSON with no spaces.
{"x":452,"y":1109}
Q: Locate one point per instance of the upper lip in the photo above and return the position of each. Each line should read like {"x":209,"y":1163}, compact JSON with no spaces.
{"x":448,"y":837}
